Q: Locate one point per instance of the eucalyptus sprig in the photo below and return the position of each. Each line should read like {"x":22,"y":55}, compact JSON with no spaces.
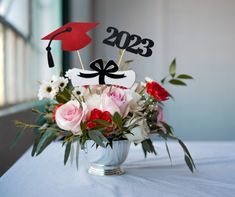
{"x":173,"y":78}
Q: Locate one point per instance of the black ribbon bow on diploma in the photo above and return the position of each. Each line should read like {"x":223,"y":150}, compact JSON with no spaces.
{"x":110,"y":68}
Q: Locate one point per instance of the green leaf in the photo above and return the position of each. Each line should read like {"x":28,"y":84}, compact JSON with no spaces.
{"x":41,"y":120}
{"x":98,"y":138}
{"x":111,"y":144}
{"x":82,"y":142}
{"x":162,"y":134}
{"x":184,"y":76}
{"x":188,"y":159}
{"x":63,"y":97}
{"x":67,"y":152}
{"x":37,"y":136}
{"x":168,"y":152}
{"x":71,"y":156}
{"x":163,"y":80}
{"x":148,"y":147}
{"x":97,"y":127}
{"x":102,"y":122}
{"x":117,"y":119}
{"x":177,"y":82}
{"x":172,"y":69}
{"x":186,"y":151}
{"x":188,"y":162}
{"x":44,"y":141}
{"x":48,"y":116}
{"x":18,"y":136}
{"x":83,"y":126}
{"x":167,"y":127}
{"x":144,"y":150}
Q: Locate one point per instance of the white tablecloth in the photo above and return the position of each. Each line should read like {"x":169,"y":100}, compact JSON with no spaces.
{"x":46,"y":176}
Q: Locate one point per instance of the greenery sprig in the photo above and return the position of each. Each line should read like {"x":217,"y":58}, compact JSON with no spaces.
{"x":173,"y":78}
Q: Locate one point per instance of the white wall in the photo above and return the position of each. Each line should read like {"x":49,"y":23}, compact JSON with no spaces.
{"x":201,"y":35}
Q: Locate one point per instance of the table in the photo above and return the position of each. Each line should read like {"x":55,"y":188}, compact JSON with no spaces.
{"x":46,"y":175}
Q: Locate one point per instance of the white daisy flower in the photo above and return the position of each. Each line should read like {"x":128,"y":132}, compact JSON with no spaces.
{"x":68,"y":73}
{"x":61,"y":82}
{"x":78,"y":92}
{"x":47,"y":90}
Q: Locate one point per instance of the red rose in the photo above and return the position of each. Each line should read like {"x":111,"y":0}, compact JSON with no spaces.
{"x":98,"y":114}
{"x":95,"y":114}
{"x":55,"y":109}
{"x":157,"y":91}
{"x":106,"y":116}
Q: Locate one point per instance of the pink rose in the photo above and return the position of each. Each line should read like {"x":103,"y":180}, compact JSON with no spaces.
{"x":107,"y":104}
{"x":102,"y":102}
{"x":114,"y":100}
{"x":69,"y":116}
{"x":121,"y":99}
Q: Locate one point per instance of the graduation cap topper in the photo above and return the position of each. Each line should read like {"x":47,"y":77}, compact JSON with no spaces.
{"x":73,"y":36}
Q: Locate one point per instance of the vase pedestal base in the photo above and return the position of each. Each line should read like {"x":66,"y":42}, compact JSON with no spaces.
{"x":100,"y":170}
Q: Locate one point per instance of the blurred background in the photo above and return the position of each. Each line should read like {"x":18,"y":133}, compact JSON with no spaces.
{"x":199,"y":34}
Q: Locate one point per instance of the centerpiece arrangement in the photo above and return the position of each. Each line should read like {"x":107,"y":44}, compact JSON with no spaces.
{"x":104,"y":118}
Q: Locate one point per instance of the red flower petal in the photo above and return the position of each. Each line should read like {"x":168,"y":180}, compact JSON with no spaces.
{"x":157,"y":91}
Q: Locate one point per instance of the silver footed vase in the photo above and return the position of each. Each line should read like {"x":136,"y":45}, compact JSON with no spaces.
{"x":107,"y":161}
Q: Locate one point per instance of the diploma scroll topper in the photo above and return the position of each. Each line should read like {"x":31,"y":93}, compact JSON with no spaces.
{"x":101,"y":74}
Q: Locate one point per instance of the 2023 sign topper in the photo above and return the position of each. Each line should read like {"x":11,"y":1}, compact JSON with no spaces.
{"x":131,"y":42}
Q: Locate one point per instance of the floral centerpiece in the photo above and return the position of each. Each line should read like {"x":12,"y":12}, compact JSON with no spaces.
{"x":103,"y":114}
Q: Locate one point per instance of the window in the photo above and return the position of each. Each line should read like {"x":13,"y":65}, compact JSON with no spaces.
{"x":22,"y":53}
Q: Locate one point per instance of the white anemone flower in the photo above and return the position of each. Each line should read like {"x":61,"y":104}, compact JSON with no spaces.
{"x":60,"y":82}
{"x":78,"y":92}
{"x":47,"y":90}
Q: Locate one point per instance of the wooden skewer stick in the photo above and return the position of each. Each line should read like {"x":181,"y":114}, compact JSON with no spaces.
{"x":80,"y":59}
{"x":120,"y":59}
